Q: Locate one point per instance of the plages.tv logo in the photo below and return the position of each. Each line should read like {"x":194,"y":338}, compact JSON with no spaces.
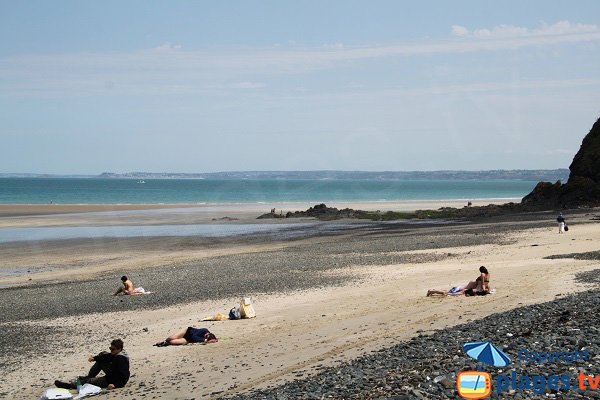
{"x":474,"y":384}
{"x":478,"y":384}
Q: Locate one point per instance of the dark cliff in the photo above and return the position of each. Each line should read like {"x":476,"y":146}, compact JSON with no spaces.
{"x":583,"y":187}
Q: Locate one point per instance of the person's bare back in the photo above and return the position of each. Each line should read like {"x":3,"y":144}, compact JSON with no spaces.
{"x":127,"y":286}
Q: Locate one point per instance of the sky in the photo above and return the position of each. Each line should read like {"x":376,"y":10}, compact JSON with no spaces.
{"x":204,"y":86}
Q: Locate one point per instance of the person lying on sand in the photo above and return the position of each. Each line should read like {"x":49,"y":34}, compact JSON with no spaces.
{"x":128,"y":287}
{"x":115,"y":365}
{"x":481,"y":285}
{"x":189,"y":335}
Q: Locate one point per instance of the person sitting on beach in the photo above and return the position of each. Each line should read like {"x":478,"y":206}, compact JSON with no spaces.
{"x":482,"y":281}
{"x":115,"y":365}
{"x":128,"y":288}
{"x":189,"y":335}
{"x":481,"y":285}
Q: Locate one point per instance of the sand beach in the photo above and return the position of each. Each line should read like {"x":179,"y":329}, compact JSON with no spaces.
{"x":321,"y":299}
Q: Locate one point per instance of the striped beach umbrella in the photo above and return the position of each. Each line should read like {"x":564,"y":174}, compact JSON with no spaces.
{"x":487,"y":353}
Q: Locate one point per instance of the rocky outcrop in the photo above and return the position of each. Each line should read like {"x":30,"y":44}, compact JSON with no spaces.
{"x":322,"y":212}
{"x":586,"y":162}
{"x":583,"y":187}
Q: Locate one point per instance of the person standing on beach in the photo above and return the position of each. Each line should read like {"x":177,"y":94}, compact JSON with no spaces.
{"x":561,"y":223}
{"x":115,"y":365}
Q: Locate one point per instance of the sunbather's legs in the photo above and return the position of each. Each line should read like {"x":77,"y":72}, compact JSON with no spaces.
{"x":175,"y":342}
{"x":99,"y":381}
{"x":177,"y":338}
{"x":95,"y":370}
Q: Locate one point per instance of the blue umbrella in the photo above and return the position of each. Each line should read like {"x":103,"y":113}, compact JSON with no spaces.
{"x":487,"y":353}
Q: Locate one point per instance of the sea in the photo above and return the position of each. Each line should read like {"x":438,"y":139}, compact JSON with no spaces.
{"x":244,"y":191}
{"x":223,"y":192}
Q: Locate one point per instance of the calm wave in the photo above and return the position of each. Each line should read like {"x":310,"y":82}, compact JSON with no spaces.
{"x":191,"y":191}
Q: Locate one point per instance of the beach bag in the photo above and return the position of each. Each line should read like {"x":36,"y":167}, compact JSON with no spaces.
{"x":234,"y":313}
{"x":566,"y":228}
{"x":246,"y":308}
{"x":88,"y":390}
{"x":56,"y":393}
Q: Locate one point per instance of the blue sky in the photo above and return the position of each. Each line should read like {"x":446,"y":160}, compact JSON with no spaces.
{"x":182,"y":86}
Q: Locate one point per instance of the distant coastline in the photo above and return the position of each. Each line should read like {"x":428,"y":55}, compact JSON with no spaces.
{"x":548,"y":175}
{"x":43,"y":190}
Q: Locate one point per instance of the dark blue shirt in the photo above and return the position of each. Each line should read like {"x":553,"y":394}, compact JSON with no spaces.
{"x":195,"y":335}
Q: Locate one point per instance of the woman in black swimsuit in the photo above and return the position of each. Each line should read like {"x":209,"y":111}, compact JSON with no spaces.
{"x":481,"y":285}
{"x":478,"y":286}
{"x":483,"y":280}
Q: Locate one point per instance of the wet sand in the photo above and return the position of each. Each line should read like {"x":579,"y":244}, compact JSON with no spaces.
{"x":249,"y":210}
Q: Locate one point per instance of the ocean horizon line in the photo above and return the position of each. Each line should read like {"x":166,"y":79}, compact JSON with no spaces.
{"x":265,"y":203}
{"x":450,"y":174}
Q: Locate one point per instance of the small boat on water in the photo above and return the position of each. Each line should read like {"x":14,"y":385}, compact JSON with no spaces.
{"x":141,"y":181}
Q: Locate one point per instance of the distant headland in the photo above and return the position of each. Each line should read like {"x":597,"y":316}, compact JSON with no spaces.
{"x":516,"y":174}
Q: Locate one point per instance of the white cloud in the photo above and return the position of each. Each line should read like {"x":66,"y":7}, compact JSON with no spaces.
{"x":169,"y":68}
{"x":512,"y":87}
{"x":167,"y":46}
{"x":503,"y":31}
{"x":458,"y":30}
{"x":337,"y":46}
{"x":566,"y":28}
{"x":247,"y":85}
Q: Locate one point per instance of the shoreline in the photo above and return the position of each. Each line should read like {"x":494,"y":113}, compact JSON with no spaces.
{"x":24,"y":210}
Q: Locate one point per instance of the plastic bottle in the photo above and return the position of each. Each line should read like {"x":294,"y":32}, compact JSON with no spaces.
{"x":78,"y":384}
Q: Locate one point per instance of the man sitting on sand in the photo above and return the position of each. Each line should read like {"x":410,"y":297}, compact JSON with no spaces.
{"x":115,"y":365}
{"x":128,"y":287}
